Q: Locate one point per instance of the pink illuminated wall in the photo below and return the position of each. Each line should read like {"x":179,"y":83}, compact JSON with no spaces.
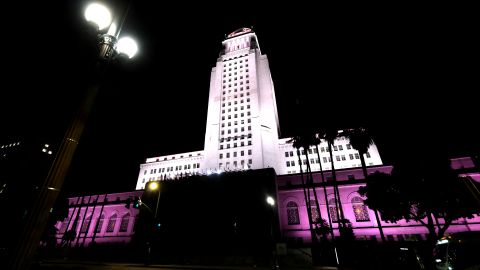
{"x":117,"y":224}
{"x":365,"y":226}
{"x":100,"y":218}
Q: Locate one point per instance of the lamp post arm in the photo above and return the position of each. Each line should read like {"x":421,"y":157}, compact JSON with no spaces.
{"x":146,"y":206}
{"x":156,"y":208}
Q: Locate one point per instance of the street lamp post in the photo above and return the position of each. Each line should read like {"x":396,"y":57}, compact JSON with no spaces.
{"x":29,"y":239}
{"x":271,"y":202}
{"x":152,"y":186}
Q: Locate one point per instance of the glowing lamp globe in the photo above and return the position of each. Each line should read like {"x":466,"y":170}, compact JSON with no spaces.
{"x":270,"y":201}
{"x":153,"y":186}
{"x":99,"y":15}
{"x":127,"y":46}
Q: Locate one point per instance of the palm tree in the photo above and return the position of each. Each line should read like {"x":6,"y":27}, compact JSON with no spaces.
{"x":330,"y":135}
{"x":304,"y":142}
{"x":317,"y":141}
{"x":297,"y":144}
{"x":307,"y":141}
{"x":360,"y":140}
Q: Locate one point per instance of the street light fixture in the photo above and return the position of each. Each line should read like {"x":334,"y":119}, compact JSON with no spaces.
{"x":270,"y":201}
{"x":23,"y":253}
{"x":110,"y":44}
{"x":152,"y":186}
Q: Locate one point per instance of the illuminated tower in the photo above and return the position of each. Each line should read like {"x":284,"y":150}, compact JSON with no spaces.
{"x":242,"y":121}
{"x":242,"y":124}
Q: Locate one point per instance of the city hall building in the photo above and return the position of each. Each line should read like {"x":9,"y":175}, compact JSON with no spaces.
{"x":242,"y":134}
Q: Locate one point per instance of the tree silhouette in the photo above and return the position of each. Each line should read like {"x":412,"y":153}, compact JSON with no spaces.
{"x":434,"y":196}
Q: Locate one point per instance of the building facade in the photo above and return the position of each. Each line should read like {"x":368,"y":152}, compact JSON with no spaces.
{"x":242,"y":133}
{"x":243,"y":129}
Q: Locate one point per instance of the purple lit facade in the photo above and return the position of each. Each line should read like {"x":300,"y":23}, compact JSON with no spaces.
{"x":294,"y":223}
{"x":99,"y":218}
{"x":117,"y":222}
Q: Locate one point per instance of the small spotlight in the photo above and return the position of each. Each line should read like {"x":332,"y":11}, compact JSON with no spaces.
{"x":49,"y":152}
{"x":44,"y":150}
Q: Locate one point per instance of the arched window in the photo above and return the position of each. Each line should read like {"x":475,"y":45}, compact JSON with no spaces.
{"x":111,"y":223}
{"x":292,"y":213}
{"x":64,"y":225}
{"x":85,"y":224}
{"x":100,"y":223}
{"x":332,"y":209}
{"x":360,"y":210}
{"x":124,"y":224}
{"x":315,"y":212}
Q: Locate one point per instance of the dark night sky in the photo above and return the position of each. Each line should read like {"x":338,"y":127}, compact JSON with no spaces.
{"x":408,"y":73}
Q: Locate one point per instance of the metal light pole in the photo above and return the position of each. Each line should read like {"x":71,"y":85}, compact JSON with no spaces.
{"x":29,"y":239}
{"x":271,"y":202}
{"x":152,"y":186}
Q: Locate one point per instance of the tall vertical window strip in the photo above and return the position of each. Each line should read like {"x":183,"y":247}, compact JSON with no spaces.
{"x":85,"y":224}
{"x":124,"y":224}
{"x":292,"y":213}
{"x":111,"y":223}
{"x":332,"y":209}
{"x":64,"y":225}
{"x":100,"y":223}
{"x":360,"y":210}
{"x":315,"y":212}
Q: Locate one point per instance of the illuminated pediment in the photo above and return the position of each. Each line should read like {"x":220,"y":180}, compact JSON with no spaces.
{"x":239,"y":32}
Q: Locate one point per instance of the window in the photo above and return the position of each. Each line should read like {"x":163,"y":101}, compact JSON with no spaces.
{"x":315,"y":214}
{"x":367,"y":154}
{"x":360,"y":210}
{"x":291,"y":153}
{"x":332,"y":209}
{"x":343,"y":157}
{"x":124,"y":224}
{"x":286,"y":154}
{"x":292,"y":213}
{"x":111,"y":223}
{"x":64,"y":226}
{"x":335,"y":148}
{"x":340,"y":147}
{"x":357,"y":156}
{"x":100,"y":223}
{"x":351,"y":156}
{"x":85,"y":224}
{"x":292,"y":163}
{"x":349,"y":146}
{"x":249,"y":151}
{"x":220,"y":156}
{"x":288,"y":163}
